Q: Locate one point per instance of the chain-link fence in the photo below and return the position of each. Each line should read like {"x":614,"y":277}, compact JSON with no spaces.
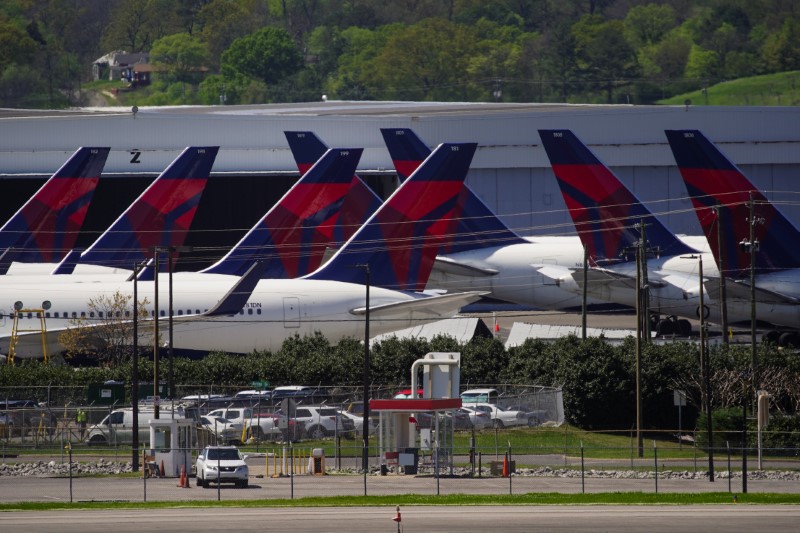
{"x":507,"y":461}
{"x":76,"y":451}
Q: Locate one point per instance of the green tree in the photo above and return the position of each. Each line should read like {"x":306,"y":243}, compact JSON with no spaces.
{"x":16,"y":45}
{"x":135,"y":24}
{"x":181,"y":55}
{"x":605,"y":57}
{"x":223,"y":21}
{"x":354,"y":79}
{"x":427,"y":61}
{"x":781,"y":50}
{"x":268,"y":55}
{"x":648,"y":24}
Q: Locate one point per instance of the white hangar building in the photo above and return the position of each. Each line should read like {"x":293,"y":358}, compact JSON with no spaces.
{"x":510,"y":172}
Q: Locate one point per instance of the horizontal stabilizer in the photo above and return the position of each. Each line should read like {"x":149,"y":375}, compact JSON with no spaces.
{"x":68,"y":264}
{"x":740,"y":291}
{"x":237,"y":297}
{"x":611,"y":277}
{"x":457,"y":268}
{"x":443,"y":306}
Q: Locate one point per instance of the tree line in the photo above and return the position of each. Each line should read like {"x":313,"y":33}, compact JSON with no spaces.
{"x":597,"y":378}
{"x":262,"y":51}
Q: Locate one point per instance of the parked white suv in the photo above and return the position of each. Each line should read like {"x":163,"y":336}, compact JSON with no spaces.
{"x":318,"y":421}
{"x":221,"y":464}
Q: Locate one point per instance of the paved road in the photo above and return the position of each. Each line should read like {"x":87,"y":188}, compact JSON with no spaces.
{"x":727,"y":518}
{"x":22,"y":489}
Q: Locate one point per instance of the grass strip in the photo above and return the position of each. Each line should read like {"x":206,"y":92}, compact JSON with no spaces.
{"x":535,"y":498}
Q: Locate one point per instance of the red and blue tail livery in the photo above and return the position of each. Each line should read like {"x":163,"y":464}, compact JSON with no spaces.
{"x":46,"y":228}
{"x":721,"y":196}
{"x":354,"y":209}
{"x":160,"y":217}
{"x":401,"y":240}
{"x":605,"y":212}
{"x":292,"y":237}
{"x":478,"y":227}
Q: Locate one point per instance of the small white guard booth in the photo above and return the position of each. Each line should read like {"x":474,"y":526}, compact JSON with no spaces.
{"x":171,"y":442}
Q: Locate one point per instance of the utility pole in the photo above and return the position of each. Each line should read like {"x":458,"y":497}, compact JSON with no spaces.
{"x":639,"y":311}
{"x":705,"y":370}
{"x":156,"y":399}
{"x":723,"y":295}
{"x":584,"y":309}
{"x":366,"y":377}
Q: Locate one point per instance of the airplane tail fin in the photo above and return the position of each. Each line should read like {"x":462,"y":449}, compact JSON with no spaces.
{"x":292,"y":237}
{"x":400,"y":241}
{"x":161,"y":216}
{"x":359,"y":203}
{"x":306,"y":148}
{"x":478,"y":226}
{"x":46,"y":228}
{"x":605,"y":212}
{"x":721,"y":196}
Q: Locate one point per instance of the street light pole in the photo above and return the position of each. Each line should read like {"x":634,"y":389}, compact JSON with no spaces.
{"x":156,"y":399}
{"x":135,"y":370}
{"x":365,"y":425}
{"x":170,"y":375}
{"x":706,"y":375}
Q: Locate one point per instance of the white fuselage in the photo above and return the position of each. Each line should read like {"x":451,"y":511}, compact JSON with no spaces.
{"x":518,"y":279}
{"x":277,"y":310}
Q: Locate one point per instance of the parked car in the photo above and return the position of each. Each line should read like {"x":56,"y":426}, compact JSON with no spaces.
{"x":319,"y":421}
{"x":478,"y":419}
{"x":5,"y":424}
{"x":358,"y":422}
{"x":117,"y":427}
{"x":223,"y":429}
{"x":460,"y":420}
{"x":501,"y":417}
{"x":259,"y":395}
{"x":306,"y":394}
{"x":222,"y":464}
{"x":406,"y":393}
{"x":480,"y":396}
{"x":269,"y":425}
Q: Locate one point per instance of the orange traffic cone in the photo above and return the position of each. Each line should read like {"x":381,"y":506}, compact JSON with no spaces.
{"x":505,"y":466}
{"x":181,"y":478}
{"x":161,"y":472}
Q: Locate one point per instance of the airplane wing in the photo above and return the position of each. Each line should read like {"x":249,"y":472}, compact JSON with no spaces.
{"x":451,"y":266}
{"x":738,"y":290}
{"x":443,"y":306}
{"x":610,"y":277}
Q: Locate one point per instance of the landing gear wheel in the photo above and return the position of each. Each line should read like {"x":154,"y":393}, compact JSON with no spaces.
{"x":684,"y":327}
{"x":665,"y":327}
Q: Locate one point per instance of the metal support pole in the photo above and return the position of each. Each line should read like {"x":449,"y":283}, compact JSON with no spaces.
{"x":584,"y":293}
{"x":156,"y":399}
{"x":706,"y":372}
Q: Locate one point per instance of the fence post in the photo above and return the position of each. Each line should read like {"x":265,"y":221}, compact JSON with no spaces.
{"x":583,"y":485}
{"x":69,"y":449}
{"x":291,"y":470}
{"x":655,"y":459}
{"x":728,"y":446}
{"x":365,"y":454}
{"x":510,"y":489}
{"x":480,"y":461}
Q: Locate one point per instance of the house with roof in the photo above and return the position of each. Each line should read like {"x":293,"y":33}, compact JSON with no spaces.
{"x":120,"y":65}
